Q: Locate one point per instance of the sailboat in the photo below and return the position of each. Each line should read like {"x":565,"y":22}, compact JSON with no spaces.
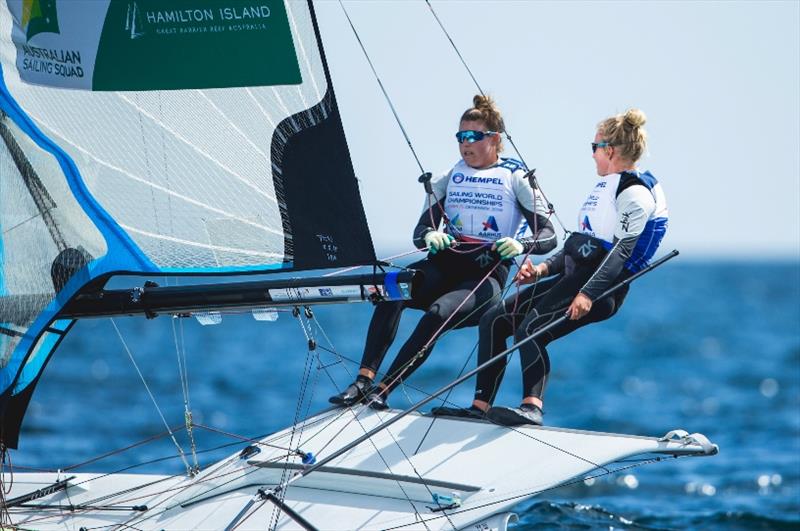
{"x":125,"y":155}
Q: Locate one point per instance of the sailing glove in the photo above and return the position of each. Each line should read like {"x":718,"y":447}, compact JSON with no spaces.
{"x":437,"y":241}
{"x":508,"y":248}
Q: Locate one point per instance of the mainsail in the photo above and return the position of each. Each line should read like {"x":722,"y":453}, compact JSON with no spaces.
{"x":160,"y":137}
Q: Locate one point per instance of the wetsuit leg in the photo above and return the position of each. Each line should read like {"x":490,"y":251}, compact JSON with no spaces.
{"x":449,"y":311}
{"x":386,"y":317}
{"x":496,"y":326}
{"x":533,"y":354}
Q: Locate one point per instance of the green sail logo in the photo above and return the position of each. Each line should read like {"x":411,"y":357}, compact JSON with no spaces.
{"x":39,"y":16}
{"x":194,"y":44}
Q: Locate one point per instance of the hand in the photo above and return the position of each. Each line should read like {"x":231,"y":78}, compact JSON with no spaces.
{"x":580,"y":306}
{"x":529,"y":273}
{"x":437,"y":241}
{"x":507,"y":248}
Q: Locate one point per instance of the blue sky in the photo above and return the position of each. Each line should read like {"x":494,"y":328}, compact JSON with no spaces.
{"x":719,"y":82}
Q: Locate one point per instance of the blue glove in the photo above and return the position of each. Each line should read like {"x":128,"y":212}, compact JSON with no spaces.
{"x":508,"y":248}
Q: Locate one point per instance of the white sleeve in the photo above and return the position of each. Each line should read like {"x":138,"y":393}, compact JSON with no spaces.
{"x":439,"y":186}
{"x":635,"y":206}
{"x":528,"y":198}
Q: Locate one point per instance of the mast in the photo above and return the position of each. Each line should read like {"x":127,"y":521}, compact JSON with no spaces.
{"x":44,"y":202}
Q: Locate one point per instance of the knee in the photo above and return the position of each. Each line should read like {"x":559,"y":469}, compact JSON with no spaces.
{"x":437,"y":313}
{"x":490,"y":317}
{"x":390,"y":307}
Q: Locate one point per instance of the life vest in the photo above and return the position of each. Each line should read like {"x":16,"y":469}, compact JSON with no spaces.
{"x":600,"y":217}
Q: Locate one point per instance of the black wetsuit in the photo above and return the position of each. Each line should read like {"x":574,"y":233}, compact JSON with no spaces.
{"x":634,"y":221}
{"x":520,"y":316}
{"x":450,"y":276}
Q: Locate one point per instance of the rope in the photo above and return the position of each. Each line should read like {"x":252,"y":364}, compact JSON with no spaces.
{"x":153,"y":398}
{"x":433,"y":338}
{"x":5,"y":489}
{"x":380,"y":83}
{"x":505,"y":130}
{"x":183,"y":371}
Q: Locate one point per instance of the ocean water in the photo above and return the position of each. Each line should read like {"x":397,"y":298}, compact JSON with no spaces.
{"x":708,"y":347}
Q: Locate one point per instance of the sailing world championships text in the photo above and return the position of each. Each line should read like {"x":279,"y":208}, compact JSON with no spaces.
{"x":475,"y":199}
{"x":64,"y":63}
{"x":207,"y":15}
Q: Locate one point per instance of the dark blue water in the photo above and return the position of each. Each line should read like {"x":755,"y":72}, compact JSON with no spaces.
{"x":708,"y":347}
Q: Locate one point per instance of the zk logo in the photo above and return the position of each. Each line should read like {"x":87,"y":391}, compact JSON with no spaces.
{"x":585,"y":225}
{"x":490,"y":224}
{"x":625,"y":221}
{"x":458,"y":178}
{"x":586,"y":249}
{"x":39,"y":16}
{"x":484,"y":259}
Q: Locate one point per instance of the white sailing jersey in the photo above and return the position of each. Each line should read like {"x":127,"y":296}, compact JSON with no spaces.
{"x":638,"y":209}
{"x":483,"y":204}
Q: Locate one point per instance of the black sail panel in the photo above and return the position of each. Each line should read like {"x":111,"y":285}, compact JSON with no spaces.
{"x":325,"y":217}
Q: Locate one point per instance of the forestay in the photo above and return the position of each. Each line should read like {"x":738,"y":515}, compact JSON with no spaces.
{"x":148,"y":137}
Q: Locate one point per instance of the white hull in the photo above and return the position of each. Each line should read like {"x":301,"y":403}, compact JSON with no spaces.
{"x":386,"y":482}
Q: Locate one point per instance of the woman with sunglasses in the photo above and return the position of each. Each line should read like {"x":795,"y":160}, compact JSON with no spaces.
{"x":620,"y":226}
{"x":469,"y":226}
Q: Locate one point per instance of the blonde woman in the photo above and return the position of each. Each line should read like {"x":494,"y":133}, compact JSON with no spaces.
{"x":484,"y":197}
{"x":620,"y":226}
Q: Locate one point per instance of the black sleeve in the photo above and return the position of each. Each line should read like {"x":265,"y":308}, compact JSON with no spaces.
{"x":610,"y":268}
{"x":426,"y":224}
{"x":556,"y":263}
{"x":543,"y":240}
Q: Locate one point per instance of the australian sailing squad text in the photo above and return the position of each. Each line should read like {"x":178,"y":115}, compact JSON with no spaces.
{"x":65,"y":63}
{"x":207,"y":15}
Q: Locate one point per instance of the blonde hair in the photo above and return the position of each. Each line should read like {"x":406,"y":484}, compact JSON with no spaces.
{"x":484,"y":110}
{"x":626,"y":132}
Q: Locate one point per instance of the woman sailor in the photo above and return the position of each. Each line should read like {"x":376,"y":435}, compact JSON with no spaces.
{"x":480,"y":202}
{"x":620,"y":227}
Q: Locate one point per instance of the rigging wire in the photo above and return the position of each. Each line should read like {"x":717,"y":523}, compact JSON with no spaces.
{"x":153,"y":398}
{"x":322,"y":462}
{"x":344,"y":410}
{"x":307,"y":368}
{"x":377,"y":450}
{"x":425,"y":176}
{"x":380,"y":83}
{"x":505,"y":132}
{"x":436,"y":335}
{"x":183,"y":371}
{"x":5,"y":489}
